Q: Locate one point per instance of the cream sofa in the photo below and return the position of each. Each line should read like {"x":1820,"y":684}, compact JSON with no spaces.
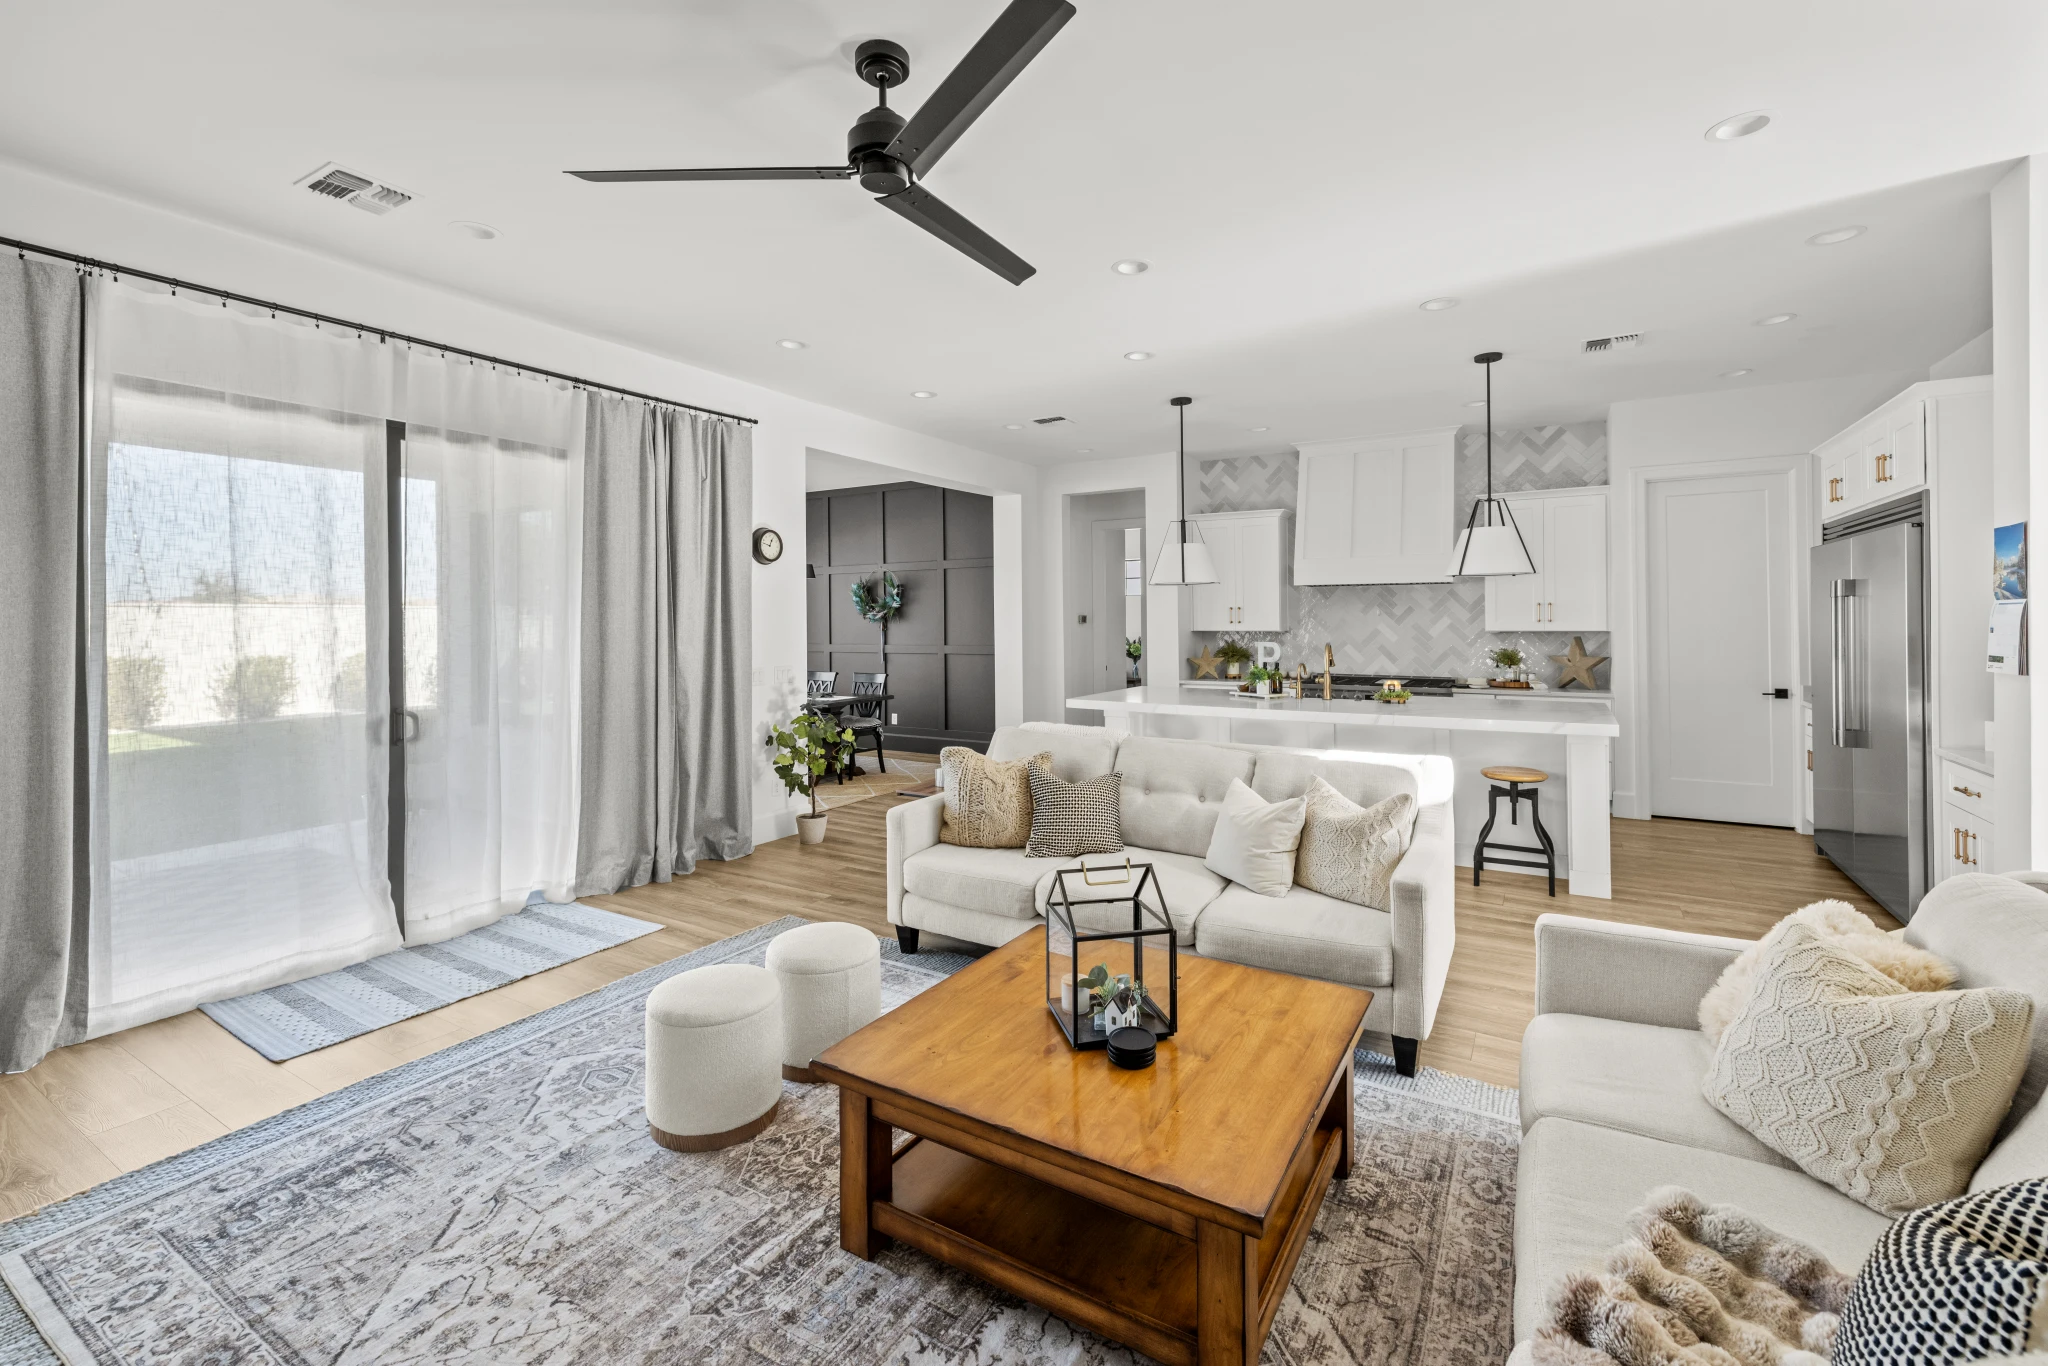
{"x":1172,"y":790}
{"x":1612,"y":1066}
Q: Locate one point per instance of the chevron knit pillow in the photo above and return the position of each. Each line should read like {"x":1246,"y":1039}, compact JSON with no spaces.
{"x":1890,"y":1096}
{"x":1070,"y":819}
{"x":1962,"y":1281}
{"x":1350,"y":851}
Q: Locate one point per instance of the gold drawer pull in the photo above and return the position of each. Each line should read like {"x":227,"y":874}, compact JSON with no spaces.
{"x":1966,"y":791}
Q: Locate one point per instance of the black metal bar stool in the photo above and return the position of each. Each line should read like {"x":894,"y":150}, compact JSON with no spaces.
{"x":1516,"y":779}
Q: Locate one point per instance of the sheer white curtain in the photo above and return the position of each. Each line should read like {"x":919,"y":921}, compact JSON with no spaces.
{"x":492,"y":512}
{"x":238,"y":467}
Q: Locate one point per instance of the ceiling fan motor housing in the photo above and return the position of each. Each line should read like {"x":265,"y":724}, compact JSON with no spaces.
{"x":866,"y":143}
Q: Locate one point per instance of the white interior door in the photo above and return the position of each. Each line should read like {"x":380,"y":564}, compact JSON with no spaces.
{"x":1722,"y":639}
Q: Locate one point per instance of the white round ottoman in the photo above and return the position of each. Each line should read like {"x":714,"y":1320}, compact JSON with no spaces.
{"x":831,"y":976}
{"x":714,"y":1039}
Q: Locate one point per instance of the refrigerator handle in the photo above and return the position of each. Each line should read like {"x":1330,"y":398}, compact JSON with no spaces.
{"x":1844,"y":622}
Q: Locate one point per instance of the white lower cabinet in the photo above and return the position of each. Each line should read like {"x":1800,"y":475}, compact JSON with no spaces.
{"x":1962,"y":838}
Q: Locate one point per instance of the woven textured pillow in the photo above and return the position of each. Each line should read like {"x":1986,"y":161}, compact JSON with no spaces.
{"x":1888,"y":1095}
{"x":1070,"y":819}
{"x":1350,"y":851}
{"x":988,"y":801}
{"x":1961,"y":1281}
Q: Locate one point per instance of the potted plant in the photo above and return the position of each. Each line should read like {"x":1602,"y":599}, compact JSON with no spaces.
{"x":806,"y":749}
{"x":1235,"y":654}
{"x":1134,"y":650}
{"x":1508,"y":661}
{"x":1392,"y":690}
{"x":1262,"y":680}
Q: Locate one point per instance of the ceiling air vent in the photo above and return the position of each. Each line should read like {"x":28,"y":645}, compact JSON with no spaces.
{"x":1600,"y":346}
{"x":332,"y":181}
{"x":1046,"y":421}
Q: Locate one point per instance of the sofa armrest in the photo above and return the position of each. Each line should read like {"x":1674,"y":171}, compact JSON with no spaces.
{"x":913,"y":826}
{"x":1627,"y":972}
{"x":1423,"y":900}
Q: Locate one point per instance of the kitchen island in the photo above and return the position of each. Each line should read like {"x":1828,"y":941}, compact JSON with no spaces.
{"x":1569,"y":737}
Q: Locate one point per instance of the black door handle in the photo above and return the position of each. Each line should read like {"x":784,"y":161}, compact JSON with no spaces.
{"x":1781,"y":694}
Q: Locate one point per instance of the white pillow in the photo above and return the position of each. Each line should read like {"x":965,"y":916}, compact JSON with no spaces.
{"x":1255,"y":840}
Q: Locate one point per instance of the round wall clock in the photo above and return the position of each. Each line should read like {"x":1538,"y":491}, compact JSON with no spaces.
{"x":767,"y":545}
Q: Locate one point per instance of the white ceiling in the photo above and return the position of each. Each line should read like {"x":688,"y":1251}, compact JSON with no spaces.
{"x":1300,"y":174}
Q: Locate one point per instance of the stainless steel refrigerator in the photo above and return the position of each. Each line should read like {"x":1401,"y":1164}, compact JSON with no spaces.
{"x":1869,"y":708}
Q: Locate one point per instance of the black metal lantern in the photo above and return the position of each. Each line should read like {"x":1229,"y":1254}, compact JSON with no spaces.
{"x":1073,"y":954}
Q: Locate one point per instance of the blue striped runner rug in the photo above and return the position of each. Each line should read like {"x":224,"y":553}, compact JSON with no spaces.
{"x":298,"y":1017}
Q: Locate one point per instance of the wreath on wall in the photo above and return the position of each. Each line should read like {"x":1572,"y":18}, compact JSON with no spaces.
{"x":878,"y":604}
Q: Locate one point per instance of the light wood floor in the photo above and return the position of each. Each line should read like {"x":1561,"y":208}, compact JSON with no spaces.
{"x":97,"y":1109}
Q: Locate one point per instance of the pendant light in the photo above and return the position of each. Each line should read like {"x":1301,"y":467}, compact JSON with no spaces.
{"x":1181,"y":560}
{"x":1491,"y":544}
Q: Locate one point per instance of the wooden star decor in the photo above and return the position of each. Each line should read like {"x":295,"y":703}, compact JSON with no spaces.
{"x":1576,"y":666}
{"x":1206,"y":663}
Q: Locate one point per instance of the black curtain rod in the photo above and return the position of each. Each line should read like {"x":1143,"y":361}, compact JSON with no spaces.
{"x":383,"y":333}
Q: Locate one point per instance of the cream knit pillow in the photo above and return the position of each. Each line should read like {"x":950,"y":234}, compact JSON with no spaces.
{"x":1844,"y":926}
{"x":1350,"y":851}
{"x":1890,"y":1096}
{"x":988,"y":801}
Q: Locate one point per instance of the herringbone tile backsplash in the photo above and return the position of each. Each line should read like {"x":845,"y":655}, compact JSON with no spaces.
{"x":1419,"y":628}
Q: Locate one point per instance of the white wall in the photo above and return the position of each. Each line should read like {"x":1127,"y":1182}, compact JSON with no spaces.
{"x":60,"y":214}
{"x":1690,"y":429}
{"x":2016,"y":310}
{"x":1049,"y":532}
{"x":1973,"y":357}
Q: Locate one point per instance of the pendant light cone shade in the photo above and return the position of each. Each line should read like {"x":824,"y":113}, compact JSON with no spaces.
{"x":1183,"y":559}
{"x":1491,"y":545}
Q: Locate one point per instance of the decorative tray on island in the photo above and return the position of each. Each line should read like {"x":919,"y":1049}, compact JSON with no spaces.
{"x":1508,"y":683}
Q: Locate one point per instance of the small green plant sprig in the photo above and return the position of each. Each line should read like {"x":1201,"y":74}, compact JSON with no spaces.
{"x":1507,"y":657}
{"x":1234,"y":652}
{"x":1134,"y":649}
{"x":1119,"y":991}
{"x":808,"y":747}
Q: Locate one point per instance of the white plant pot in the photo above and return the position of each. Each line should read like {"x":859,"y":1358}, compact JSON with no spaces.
{"x":1263,"y":688}
{"x":1234,"y":671}
{"x":810,"y":829}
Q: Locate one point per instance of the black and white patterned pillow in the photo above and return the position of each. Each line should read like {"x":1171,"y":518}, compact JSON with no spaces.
{"x":1069,"y":819}
{"x":1954,"y":1282}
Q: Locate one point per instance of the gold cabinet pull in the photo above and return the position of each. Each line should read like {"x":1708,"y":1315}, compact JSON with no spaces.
{"x":1955,"y":843}
{"x":1966,"y":791}
{"x":1835,"y":490}
{"x":1970,"y":847}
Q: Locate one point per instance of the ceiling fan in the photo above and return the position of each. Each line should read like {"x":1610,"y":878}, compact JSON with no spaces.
{"x":890,"y":155}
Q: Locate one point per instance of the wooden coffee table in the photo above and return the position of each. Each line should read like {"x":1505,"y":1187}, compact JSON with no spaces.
{"x":1164,"y":1208}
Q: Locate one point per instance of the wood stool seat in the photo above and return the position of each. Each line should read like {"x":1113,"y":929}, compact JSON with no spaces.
{"x":1511,"y":774}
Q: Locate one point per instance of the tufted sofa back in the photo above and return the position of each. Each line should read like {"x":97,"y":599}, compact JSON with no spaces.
{"x":1173,"y":789}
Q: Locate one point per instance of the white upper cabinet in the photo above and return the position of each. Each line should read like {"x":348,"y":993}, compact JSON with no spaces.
{"x":1251,"y":592}
{"x":1377,"y":509}
{"x":1884,"y":455}
{"x":1566,"y":532}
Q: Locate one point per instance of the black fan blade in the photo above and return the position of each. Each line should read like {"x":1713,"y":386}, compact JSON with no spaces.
{"x":726,"y":173}
{"x":989,"y":66}
{"x":931,"y":213}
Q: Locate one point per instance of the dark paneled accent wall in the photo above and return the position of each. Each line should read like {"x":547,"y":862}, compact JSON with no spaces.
{"x":940,"y":544}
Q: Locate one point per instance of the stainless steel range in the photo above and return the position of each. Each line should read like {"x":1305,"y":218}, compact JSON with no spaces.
{"x":1361,"y":687}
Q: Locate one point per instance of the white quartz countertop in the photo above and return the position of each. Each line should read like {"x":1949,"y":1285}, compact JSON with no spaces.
{"x":1551,"y":713}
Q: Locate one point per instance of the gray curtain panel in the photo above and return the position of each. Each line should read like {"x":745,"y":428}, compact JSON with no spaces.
{"x":667,"y":751}
{"x":45,"y":870}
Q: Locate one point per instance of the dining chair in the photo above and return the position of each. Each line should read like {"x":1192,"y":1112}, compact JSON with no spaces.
{"x":822,"y":682}
{"x":864,"y":719}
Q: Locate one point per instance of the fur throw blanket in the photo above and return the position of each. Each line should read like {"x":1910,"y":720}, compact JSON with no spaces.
{"x":1696,"y":1284}
{"x":1847,"y":928}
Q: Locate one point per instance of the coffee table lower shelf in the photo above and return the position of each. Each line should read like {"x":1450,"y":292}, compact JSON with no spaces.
{"x":1132,"y":1279}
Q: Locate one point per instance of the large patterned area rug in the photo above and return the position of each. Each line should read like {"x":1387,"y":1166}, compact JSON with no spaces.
{"x":500,"y":1202}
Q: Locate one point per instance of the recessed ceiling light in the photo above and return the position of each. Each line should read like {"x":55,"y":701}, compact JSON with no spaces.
{"x":1775,"y":319}
{"x":790,"y":344}
{"x":922,"y":393}
{"x":1137,"y":355}
{"x":1834,"y":235}
{"x":1438,"y":305}
{"x":1734,"y":374}
{"x":482,"y":232}
{"x":1476,"y":403}
{"x":1013,"y":426}
{"x":1131,"y":266}
{"x":1086,"y":450}
{"x":1260,"y":429}
{"x":1739,"y":126}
